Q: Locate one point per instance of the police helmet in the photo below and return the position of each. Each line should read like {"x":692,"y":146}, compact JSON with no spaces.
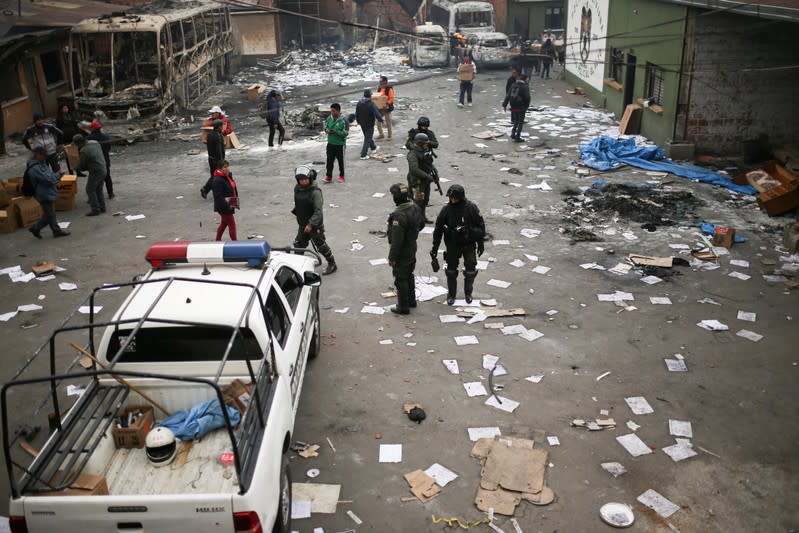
{"x":423,"y":122}
{"x":399,"y":191}
{"x":304,"y":171}
{"x":161,"y":446}
{"x":421,"y":138}
{"x":456,"y":191}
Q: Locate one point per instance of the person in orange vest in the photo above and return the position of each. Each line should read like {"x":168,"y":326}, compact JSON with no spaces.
{"x":388,"y":91}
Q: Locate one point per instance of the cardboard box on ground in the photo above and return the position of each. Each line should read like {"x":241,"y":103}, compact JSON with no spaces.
{"x":255,"y":91}
{"x":8,"y":221}
{"x":778,"y":187}
{"x":28,"y":210}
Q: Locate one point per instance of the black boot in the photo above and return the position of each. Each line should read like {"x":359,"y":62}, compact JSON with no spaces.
{"x":411,"y":291}
{"x":402,"y":297}
{"x":468,"y":284}
{"x":331,"y":267}
{"x":452,"y":285}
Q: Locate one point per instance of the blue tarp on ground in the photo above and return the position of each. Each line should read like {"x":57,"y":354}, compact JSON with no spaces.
{"x":203,"y":417}
{"x":605,"y":153}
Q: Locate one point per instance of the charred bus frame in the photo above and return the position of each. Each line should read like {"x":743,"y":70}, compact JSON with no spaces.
{"x":148,"y":61}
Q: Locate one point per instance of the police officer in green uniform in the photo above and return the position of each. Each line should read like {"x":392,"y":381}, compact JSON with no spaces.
{"x":463,"y":229}
{"x":404,"y":224}
{"x":308,"y":204}
{"x":420,"y":172}
{"x":422,"y":126}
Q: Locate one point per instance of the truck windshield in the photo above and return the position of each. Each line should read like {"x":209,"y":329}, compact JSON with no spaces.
{"x":183,"y":344}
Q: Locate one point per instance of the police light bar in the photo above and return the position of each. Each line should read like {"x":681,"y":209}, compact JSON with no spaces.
{"x":254,"y":253}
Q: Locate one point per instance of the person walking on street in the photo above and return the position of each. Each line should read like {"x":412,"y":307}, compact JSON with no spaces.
{"x":548,"y":50}
{"x":44,"y":181}
{"x":105,"y":143}
{"x":91,"y":159}
{"x":403,"y":226}
{"x":226,"y":200}
{"x":215,"y":144}
{"x":366,"y":113}
{"x":273,"y":105}
{"x":388,"y":91}
{"x":308,"y":205}
{"x":519,"y":100}
{"x":422,"y":126}
{"x":514,"y":75}
{"x":46,"y":136}
{"x":466,"y":73}
{"x":421,"y":172}
{"x":463,"y":230}
{"x":337,"y":131}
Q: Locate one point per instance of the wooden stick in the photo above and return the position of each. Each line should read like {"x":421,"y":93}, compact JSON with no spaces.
{"x":120,"y":379}
{"x":25,"y":445}
{"x":331,"y":444}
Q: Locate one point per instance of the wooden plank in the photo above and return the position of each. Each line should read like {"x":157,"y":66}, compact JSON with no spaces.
{"x":630,"y":123}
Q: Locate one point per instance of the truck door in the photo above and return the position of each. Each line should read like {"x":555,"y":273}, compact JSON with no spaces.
{"x":288,"y":332}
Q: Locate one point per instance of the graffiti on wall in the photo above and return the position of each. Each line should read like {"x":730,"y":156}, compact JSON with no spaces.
{"x":585,"y":45}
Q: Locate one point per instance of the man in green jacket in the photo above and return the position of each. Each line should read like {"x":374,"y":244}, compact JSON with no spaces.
{"x":336,"y":129}
{"x":404,"y":224}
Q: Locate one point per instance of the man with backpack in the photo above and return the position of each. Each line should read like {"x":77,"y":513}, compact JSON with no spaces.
{"x":40,"y":181}
{"x":518,"y":98}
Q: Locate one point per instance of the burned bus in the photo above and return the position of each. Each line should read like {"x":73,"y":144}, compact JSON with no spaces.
{"x":143,"y":63}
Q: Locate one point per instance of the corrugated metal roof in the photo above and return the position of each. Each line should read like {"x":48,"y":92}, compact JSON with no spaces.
{"x":146,"y":18}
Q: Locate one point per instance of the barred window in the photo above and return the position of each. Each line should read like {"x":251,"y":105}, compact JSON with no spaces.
{"x":654,"y":83}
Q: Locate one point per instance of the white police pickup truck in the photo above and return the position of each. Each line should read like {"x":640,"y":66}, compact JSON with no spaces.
{"x":205,"y":314}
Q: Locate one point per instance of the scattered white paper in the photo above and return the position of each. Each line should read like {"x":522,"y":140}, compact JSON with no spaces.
{"x":354,"y":517}
{"x":680,"y":428}
{"x":21,"y":277}
{"x":517,"y":263}
{"x":75,"y":390}
{"x":390,"y":453}
{"x":712,"y":325}
{"x":500,"y":242}
{"x":381,"y":261}
{"x":360,"y":218}
{"x":372,"y":310}
{"x":679,"y":451}
{"x":676,"y":365}
{"x":498,"y":283}
{"x":482,"y":265}
{"x":651,"y":280}
{"x":660,"y":300}
{"x":448,"y":319}
{"x":634,"y":445}
{"x":378,"y":195}
{"x":64,"y":225}
{"x":441,"y":474}
{"x":531,"y":335}
{"x":530,"y":233}
{"x":500,"y":402}
{"x":452,"y":366}
{"x":747,"y":316}
{"x":474,"y":388}
{"x":86,"y":309}
{"x":739,"y":263}
{"x":552,"y":312}
{"x":29,"y":307}
{"x":5,"y":317}
{"x":535,"y":378}
{"x":476,"y":434}
{"x":342,"y":310}
{"x":9,"y":270}
{"x":614,"y":469}
{"x":679,"y":247}
{"x":540,"y":269}
{"x":617,"y":296}
{"x":479,"y":317}
{"x":621,"y":269}
{"x":386,"y":341}
{"x":300,"y":509}
{"x":481,"y":145}
{"x":532,"y":258}
{"x":553,"y":440}
{"x":49,"y":277}
{"x":639,"y":405}
{"x":466,"y":339}
{"x":64,"y":286}
{"x":515,"y":329}
{"x":131,"y":218}
{"x":658,"y":503}
{"x":710,"y":301}
{"x":632,"y":425}
{"x":739,"y":275}
{"x":750,"y":335}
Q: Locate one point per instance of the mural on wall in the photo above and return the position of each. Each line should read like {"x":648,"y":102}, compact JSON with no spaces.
{"x":585,"y":40}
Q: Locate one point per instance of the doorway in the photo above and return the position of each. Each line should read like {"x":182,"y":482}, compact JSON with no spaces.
{"x":32,"y":86}
{"x":629,"y":81}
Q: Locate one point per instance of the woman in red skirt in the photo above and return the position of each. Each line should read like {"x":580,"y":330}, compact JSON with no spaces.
{"x":226,"y":200}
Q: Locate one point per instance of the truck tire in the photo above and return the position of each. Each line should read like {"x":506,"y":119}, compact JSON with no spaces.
{"x":283,"y":518}
{"x":316,"y":340}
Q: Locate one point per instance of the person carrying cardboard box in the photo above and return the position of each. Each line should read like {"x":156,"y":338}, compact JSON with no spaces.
{"x":44,"y":180}
{"x":384,"y":89}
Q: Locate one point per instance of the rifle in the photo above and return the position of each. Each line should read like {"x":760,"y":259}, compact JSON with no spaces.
{"x":430,"y":155}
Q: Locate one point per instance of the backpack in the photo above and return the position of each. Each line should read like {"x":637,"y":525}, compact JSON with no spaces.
{"x":515,"y":95}
{"x":28,"y":186}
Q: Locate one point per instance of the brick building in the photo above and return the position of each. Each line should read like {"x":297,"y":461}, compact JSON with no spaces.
{"x":712,"y":75}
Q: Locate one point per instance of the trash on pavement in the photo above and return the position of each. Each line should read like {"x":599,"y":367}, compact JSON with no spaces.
{"x":390,"y":453}
{"x":658,"y":503}
{"x":638,"y":405}
{"x":614,"y":469}
{"x":633,"y":444}
{"x":323,"y":497}
{"x":422,"y":485}
{"x":617,"y":514}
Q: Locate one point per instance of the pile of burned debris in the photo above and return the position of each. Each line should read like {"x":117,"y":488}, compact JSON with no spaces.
{"x":649,"y":205}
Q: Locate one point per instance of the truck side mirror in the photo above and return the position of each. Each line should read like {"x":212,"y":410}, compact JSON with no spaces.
{"x":312,"y":279}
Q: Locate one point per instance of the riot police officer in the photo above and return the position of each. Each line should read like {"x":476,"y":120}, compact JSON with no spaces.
{"x":404,"y":224}
{"x":422,"y":126}
{"x":308,"y":203}
{"x":421,"y":172}
{"x":463,"y":229}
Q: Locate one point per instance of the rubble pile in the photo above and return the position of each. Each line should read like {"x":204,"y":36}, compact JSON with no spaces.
{"x":326,"y":66}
